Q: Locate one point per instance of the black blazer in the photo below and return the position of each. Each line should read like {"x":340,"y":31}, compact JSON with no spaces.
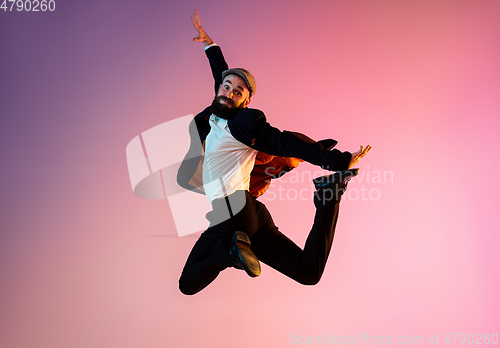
{"x":250,"y":127}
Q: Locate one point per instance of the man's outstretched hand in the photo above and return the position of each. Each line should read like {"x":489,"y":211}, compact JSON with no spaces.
{"x":202,"y":36}
{"x":356,"y":156}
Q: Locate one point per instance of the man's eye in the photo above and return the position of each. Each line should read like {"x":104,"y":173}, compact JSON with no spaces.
{"x":238,"y":93}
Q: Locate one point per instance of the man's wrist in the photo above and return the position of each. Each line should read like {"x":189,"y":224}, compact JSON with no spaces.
{"x":207,"y":45}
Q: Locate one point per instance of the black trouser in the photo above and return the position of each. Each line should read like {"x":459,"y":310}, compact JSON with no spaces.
{"x":209,"y":255}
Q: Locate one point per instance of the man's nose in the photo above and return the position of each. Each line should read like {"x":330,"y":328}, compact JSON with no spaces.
{"x":229,"y":94}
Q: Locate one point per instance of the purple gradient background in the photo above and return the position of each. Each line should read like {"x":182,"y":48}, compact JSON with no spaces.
{"x":85,"y":263}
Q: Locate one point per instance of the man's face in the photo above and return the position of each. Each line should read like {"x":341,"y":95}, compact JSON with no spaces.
{"x":232,"y":96}
{"x":234,"y":87}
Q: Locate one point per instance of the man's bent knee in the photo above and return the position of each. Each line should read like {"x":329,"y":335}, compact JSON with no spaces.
{"x":310,"y":279}
{"x":186,"y":288}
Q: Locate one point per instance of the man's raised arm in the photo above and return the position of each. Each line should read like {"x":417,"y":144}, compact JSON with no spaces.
{"x":214,"y":53}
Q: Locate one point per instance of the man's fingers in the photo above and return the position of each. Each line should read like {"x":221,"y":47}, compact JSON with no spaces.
{"x":196,"y":26}
{"x":362,"y":152}
{"x":198,"y":20}
{"x":365,"y":151}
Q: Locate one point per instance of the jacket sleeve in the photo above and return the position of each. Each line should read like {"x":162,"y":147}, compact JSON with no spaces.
{"x":251,"y":127}
{"x":217,"y":64}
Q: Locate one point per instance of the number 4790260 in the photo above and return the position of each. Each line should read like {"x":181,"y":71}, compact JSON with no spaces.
{"x":28,"y":5}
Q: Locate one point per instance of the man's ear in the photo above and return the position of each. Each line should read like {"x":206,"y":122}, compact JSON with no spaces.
{"x":247,"y":102}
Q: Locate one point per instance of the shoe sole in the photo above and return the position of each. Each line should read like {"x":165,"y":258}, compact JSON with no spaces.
{"x":250,"y":263}
{"x":248,"y":260}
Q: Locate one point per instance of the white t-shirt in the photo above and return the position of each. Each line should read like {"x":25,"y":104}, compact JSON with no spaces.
{"x":228,"y":162}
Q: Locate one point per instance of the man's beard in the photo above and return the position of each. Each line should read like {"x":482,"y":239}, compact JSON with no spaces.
{"x":222,"y":110}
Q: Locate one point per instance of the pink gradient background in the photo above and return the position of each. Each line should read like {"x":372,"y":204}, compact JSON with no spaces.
{"x":85,"y":263}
